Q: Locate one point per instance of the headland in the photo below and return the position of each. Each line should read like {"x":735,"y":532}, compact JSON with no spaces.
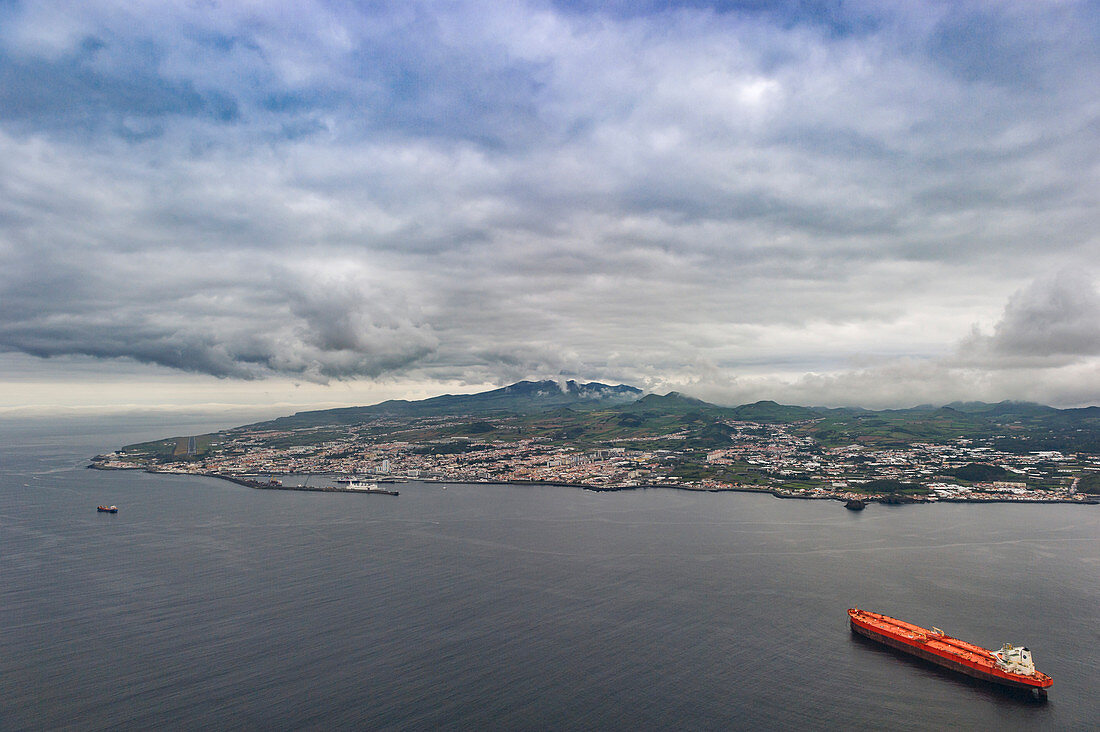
{"x":604,"y":438}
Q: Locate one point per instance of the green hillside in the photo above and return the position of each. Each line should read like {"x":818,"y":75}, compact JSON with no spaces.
{"x":524,"y":397}
{"x":598,"y":414}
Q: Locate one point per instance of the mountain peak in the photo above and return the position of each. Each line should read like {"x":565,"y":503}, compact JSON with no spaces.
{"x":549,"y":387}
{"x":522,"y":397}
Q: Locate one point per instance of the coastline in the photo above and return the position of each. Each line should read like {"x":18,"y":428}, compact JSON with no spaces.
{"x":775,"y":492}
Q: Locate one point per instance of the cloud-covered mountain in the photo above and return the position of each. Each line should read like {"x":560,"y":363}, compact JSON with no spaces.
{"x":524,"y":397}
{"x":595,"y":411}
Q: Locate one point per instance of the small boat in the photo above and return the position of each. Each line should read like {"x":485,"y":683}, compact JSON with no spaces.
{"x":107,"y":509}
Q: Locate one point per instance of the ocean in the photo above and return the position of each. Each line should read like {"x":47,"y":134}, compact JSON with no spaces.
{"x":205,"y":604}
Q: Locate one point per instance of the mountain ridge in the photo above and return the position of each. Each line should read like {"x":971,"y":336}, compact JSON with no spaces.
{"x":522,"y":397}
{"x":1017,"y":426}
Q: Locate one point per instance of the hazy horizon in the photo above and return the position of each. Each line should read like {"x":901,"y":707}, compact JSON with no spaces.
{"x":232,"y":415}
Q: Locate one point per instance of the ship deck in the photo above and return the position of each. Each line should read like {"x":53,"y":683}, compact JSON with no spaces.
{"x":933,"y":641}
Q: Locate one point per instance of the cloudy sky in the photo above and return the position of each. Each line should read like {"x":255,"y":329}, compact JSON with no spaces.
{"x":265,"y":204}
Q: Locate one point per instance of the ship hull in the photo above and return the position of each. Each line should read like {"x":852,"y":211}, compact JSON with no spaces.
{"x":940,"y":660}
{"x":964,"y":663}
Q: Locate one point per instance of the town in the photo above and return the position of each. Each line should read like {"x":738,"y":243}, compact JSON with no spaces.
{"x":781,"y":459}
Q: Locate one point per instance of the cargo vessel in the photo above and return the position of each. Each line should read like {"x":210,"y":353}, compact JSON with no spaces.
{"x":1011,"y":666}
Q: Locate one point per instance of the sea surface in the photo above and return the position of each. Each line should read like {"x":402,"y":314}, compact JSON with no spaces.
{"x":204,"y":604}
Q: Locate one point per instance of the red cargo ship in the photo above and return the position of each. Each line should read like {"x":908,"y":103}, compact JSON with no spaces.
{"x":1010,"y":666}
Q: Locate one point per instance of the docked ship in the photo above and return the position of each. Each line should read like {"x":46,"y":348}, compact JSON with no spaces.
{"x":1010,"y":666}
{"x":355,"y":485}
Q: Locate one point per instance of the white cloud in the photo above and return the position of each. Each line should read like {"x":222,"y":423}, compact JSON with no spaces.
{"x":745,"y":203}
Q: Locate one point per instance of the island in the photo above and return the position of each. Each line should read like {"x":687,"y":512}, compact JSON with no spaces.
{"x":608,"y":438}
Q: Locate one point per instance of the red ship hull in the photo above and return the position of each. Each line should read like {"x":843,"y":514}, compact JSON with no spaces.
{"x":943,"y":650}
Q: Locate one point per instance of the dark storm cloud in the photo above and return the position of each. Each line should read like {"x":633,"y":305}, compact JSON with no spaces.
{"x":1055,"y":318}
{"x":669,"y":193}
{"x":318,"y":326}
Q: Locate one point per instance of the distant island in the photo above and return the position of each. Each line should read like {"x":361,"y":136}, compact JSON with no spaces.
{"x":603,"y":437}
